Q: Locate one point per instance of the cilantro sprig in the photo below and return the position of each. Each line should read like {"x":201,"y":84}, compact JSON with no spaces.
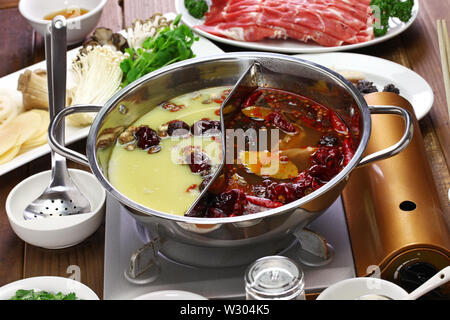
{"x":391,"y":8}
{"x":171,"y":45}
{"x":42,"y":295}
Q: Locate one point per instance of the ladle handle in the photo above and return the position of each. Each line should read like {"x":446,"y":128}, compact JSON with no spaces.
{"x":58,"y":65}
{"x":56,"y":58}
{"x":401,"y":144}
{"x":59,"y":147}
{"x":435,"y":281}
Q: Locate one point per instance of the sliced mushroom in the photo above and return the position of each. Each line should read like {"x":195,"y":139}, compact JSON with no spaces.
{"x":33,"y":85}
{"x":119,"y":42}
{"x":103,"y":35}
{"x":90,"y":43}
{"x":108,"y":136}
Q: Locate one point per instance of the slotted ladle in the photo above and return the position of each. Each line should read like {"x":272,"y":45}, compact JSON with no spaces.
{"x":62,"y":197}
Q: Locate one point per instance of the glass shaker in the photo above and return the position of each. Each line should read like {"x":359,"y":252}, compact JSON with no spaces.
{"x":274,"y":277}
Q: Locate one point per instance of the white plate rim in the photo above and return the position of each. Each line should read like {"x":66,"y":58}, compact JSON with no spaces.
{"x":370,"y":63}
{"x":372,"y":285}
{"x":171,"y":294}
{"x":201,"y":48}
{"x":298,"y":47}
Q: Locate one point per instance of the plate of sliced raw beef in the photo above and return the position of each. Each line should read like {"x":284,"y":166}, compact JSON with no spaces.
{"x":292,"y":26}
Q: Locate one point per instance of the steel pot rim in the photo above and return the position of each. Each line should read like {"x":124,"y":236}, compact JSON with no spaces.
{"x":93,"y":132}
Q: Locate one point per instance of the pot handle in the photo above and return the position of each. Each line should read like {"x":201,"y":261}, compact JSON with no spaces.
{"x":401,"y":144}
{"x":60,"y":148}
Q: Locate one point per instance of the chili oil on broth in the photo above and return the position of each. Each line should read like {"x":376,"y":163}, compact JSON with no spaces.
{"x":159,"y":181}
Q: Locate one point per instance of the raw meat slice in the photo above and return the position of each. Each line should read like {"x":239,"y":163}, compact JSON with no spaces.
{"x":327,"y":22}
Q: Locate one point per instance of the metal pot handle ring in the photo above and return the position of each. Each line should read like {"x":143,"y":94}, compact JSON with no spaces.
{"x":60,"y":148}
{"x":401,"y":144}
{"x":379,"y":155}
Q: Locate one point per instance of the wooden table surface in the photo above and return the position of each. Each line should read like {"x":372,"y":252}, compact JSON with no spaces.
{"x":417,"y":48}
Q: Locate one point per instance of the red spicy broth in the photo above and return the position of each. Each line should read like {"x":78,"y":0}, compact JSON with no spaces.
{"x":314,"y":145}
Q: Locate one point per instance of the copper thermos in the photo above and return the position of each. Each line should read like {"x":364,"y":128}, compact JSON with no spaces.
{"x":394,"y":216}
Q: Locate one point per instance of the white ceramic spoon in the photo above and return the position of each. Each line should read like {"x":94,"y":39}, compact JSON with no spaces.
{"x":435,"y":281}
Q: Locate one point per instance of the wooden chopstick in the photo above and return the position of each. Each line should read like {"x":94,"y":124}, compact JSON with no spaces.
{"x":446,"y":41}
{"x":444,"y":47}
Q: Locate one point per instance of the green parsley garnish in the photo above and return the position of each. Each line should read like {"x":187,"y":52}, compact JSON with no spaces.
{"x":170,"y":45}
{"x":391,"y":8}
{"x":196,"y":8}
{"x":42,"y":295}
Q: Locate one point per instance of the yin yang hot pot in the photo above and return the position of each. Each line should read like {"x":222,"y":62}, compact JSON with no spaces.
{"x":240,"y":239}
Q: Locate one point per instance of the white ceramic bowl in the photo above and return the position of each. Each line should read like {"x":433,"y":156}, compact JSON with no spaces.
{"x":58,"y":231}
{"x":170,"y":295}
{"x":352,"y":289}
{"x":49,"y":284}
{"x":77,"y":28}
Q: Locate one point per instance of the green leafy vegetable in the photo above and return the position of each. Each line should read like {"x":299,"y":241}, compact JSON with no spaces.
{"x":169,"y":46}
{"x":390,"y":8}
{"x":196,"y":8}
{"x":42,"y":295}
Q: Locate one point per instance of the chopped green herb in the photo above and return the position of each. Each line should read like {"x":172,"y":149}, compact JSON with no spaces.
{"x":169,"y":46}
{"x":42,"y":295}
{"x":196,"y":8}
{"x":390,"y":8}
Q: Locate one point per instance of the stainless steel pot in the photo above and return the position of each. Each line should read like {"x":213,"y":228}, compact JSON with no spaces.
{"x":304,"y":77}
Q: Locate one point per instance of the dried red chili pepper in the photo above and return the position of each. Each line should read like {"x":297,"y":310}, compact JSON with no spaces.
{"x":263,"y":202}
{"x":232,"y":201}
{"x":282,"y":192}
{"x":191,"y":187}
{"x":337,"y":124}
{"x":347,"y":146}
{"x":281,"y":122}
{"x":330,"y":157}
{"x":215,"y":213}
{"x":172,"y":107}
{"x":305,"y":181}
{"x":250,"y":101}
